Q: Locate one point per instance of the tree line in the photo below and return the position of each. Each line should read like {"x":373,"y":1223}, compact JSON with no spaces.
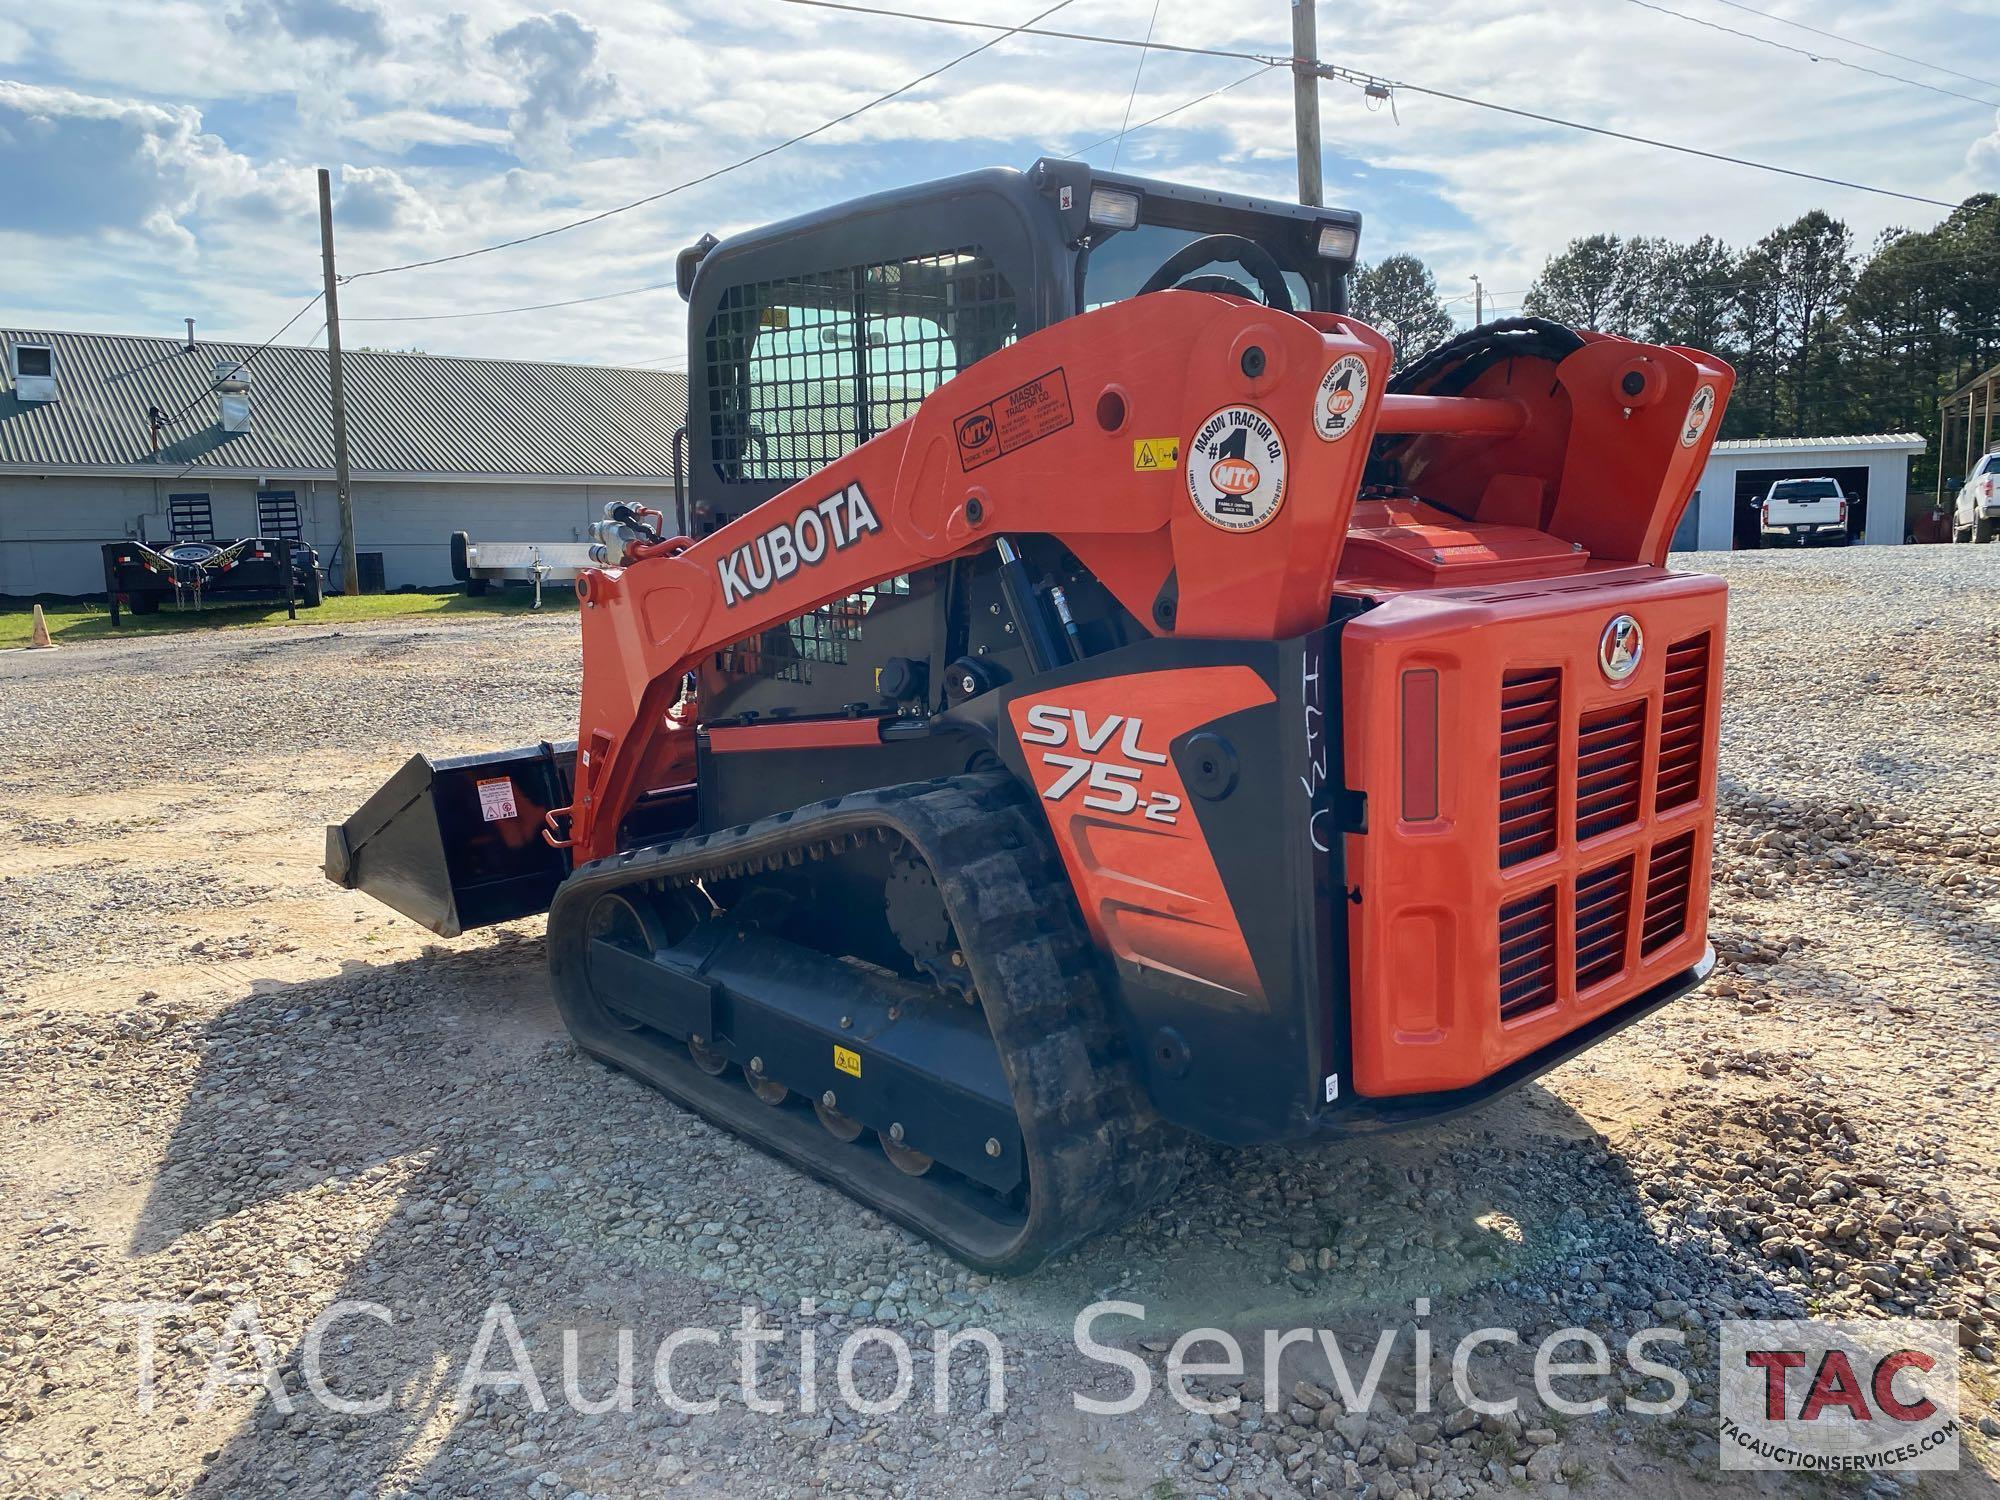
{"x":1825,"y":339}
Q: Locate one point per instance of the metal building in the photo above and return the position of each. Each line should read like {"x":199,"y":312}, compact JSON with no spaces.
{"x":1873,"y":470}
{"x":99,"y":434}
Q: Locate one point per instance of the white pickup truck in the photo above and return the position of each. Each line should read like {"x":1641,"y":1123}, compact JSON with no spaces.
{"x":1803,"y":512}
{"x":1976,"y":515}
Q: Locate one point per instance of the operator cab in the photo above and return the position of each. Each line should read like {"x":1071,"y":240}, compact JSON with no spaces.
{"x":808,"y":337}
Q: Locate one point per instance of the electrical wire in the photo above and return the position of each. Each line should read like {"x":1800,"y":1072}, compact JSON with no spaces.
{"x":1168,"y":114}
{"x":1125,"y":125}
{"x":311,"y":303}
{"x":1810,"y":56}
{"x":494,"y":312}
{"x":1374,"y":81}
{"x":757,"y":156}
{"x":1834,"y":36}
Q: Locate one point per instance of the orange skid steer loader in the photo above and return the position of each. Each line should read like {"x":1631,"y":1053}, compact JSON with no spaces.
{"x":1091,"y":699}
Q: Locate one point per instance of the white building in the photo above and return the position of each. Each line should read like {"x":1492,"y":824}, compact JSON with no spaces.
{"x":1874,"y":471}
{"x":505,"y":450}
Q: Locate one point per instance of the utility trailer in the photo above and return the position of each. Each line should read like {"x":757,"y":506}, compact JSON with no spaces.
{"x":479,"y":565}
{"x":1097,"y":702}
{"x":194,"y":566}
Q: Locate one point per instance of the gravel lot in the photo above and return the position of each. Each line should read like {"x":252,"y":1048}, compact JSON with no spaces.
{"x":222,"y":1079}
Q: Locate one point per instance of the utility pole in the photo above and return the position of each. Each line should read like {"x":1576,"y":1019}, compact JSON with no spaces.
{"x":1478,"y":302}
{"x":1305,"y":99}
{"x":350,"y":568}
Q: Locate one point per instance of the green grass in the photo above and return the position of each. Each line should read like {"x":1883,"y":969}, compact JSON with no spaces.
{"x":73,"y":621}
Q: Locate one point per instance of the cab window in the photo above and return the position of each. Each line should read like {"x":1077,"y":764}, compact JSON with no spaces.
{"x":803,"y":370}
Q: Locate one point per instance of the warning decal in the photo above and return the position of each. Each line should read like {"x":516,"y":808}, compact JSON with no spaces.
{"x":1155,"y":455}
{"x":848,"y":1062}
{"x":1699,"y":411}
{"x":496,"y":800}
{"x":1343,"y":392}
{"x":1236,"y":469}
{"x":1024,"y":415}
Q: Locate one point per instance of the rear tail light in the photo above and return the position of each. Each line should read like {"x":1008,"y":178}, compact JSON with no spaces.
{"x":1766,"y":512}
{"x":1420,"y":745}
{"x":1843,"y":512}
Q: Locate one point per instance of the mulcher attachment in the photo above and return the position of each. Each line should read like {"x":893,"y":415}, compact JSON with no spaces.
{"x":999,"y":1115}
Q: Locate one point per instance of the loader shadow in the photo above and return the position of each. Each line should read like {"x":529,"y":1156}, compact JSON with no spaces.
{"x":425,"y":1065}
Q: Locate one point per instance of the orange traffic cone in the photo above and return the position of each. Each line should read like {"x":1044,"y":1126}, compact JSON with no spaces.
{"x":39,"y":639}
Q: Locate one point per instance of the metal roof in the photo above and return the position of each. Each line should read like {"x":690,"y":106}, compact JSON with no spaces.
{"x":408,"y":415}
{"x":1908,"y":441}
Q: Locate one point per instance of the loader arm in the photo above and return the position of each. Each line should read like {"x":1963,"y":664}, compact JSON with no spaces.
{"x":1038,"y":438}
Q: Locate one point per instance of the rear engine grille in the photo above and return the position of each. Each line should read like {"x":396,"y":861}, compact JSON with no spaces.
{"x":1682,"y":722}
{"x":1603,"y":914}
{"x":1610,"y":757}
{"x":1669,"y":875}
{"x":1530,"y":719}
{"x":1528,"y":954}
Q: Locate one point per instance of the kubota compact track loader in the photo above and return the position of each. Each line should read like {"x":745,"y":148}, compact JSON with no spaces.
{"x":1092,"y":699}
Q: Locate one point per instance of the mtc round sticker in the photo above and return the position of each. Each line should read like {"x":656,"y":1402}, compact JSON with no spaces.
{"x":1699,"y":411}
{"x":1343,"y":391}
{"x":1236,"y":469}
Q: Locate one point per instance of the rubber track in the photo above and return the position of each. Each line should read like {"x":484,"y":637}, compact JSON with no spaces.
{"x":1096,"y":1151}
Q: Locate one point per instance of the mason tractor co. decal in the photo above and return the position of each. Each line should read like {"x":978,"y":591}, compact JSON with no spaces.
{"x":1700,"y":409}
{"x":833,"y":525}
{"x":1102,"y":760}
{"x":1343,"y":393}
{"x":1236,"y":469}
{"x":1026,"y":414}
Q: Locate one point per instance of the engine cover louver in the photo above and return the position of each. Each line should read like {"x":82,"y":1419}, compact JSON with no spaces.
{"x":1683,"y":724}
{"x":1610,"y":763}
{"x":1530,"y":730}
{"x":1669,"y":875}
{"x":1603,"y":917}
{"x":1528,"y":954}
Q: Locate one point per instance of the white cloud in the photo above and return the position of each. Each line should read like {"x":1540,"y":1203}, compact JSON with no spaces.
{"x":484,"y":118}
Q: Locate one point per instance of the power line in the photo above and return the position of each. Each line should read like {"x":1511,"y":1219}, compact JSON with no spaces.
{"x":494,"y":312}
{"x":1810,"y":56}
{"x":312,"y":302}
{"x":1170,"y":113}
{"x":1376,"y":82}
{"x":1138,"y":72}
{"x":1644,"y":140}
{"x":805,"y":135}
{"x":1834,"y":36}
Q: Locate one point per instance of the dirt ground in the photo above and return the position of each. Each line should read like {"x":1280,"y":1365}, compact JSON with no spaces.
{"x":226,"y":1084}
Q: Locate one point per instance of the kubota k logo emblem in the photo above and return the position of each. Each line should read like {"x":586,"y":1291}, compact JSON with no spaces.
{"x":1619,"y":647}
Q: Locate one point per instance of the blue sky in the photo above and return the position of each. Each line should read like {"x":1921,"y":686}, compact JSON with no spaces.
{"x":156,"y":156}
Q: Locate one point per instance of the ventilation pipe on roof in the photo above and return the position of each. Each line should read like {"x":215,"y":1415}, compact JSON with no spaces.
{"x":232,"y":394}
{"x":189,"y":346}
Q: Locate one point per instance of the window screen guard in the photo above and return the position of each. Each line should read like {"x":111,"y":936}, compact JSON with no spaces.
{"x":803,"y":369}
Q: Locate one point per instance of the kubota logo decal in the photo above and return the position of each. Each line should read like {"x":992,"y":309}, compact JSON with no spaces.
{"x":1236,"y":469}
{"x":1109,"y":784}
{"x":833,"y":525}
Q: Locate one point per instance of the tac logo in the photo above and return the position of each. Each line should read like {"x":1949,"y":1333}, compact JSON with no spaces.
{"x":976,"y":431}
{"x":1861,"y":1397}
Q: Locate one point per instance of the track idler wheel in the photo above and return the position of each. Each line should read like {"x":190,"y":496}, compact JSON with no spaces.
{"x":903,"y":1158}
{"x":769,"y":1090}
{"x":838,"y":1125}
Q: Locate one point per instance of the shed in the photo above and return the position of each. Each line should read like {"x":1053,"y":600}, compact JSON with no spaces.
{"x":1874,"y":471}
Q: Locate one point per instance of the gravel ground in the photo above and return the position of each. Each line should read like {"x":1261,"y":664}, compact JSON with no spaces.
{"x":222,"y":1079}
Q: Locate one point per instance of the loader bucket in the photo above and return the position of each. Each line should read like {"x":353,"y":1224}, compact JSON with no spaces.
{"x":457,"y":843}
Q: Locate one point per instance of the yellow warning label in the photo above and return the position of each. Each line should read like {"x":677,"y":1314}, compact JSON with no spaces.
{"x":848,"y":1062}
{"x":1150,"y":454}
